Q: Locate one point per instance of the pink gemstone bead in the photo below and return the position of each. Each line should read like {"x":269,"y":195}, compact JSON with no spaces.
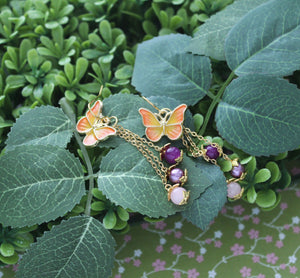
{"x":177,"y":195}
{"x":233,"y":189}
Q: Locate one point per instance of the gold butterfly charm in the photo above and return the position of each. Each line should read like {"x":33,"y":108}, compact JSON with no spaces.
{"x":165,"y":122}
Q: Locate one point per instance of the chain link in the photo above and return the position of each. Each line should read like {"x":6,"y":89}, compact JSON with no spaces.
{"x":142,"y":145}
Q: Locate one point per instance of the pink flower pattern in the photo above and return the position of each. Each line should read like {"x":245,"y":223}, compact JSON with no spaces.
{"x":293,"y":269}
{"x":237,"y":249}
{"x":256,"y":259}
{"x":176,"y":249}
{"x":159,"y":265}
{"x":160,"y":225}
{"x":253,"y":234}
{"x":245,"y":271}
{"x":192,"y":273}
{"x":272,"y":258}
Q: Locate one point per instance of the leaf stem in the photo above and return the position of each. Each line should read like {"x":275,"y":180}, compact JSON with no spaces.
{"x":70,"y":113}
{"x":86,"y":157}
{"x":215,"y":102}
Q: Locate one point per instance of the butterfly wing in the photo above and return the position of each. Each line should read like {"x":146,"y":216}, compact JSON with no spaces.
{"x":173,"y":127}
{"x":154,"y":129}
{"x":103,"y":132}
{"x":94,"y":112}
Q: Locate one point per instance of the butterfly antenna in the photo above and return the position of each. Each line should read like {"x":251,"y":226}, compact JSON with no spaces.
{"x":151,"y":103}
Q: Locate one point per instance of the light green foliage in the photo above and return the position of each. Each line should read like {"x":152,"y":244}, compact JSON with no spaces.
{"x":86,"y":249}
{"x":48,"y":125}
{"x":159,"y":68}
{"x":266,"y":40}
{"x":210,"y":37}
{"x":266,"y":113}
{"x":54,"y":185}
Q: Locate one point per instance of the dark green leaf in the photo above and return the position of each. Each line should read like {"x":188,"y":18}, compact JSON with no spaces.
{"x":275,"y":171}
{"x":260,"y":115}
{"x":266,"y":40}
{"x":48,"y":125}
{"x":110,"y":219}
{"x":209,"y":40}
{"x":15,"y":81}
{"x":128,"y":180}
{"x":105,"y":31}
{"x":38,"y":184}
{"x":124,"y":72}
{"x":34,"y":59}
{"x":266,"y":198}
{"x":162,"y":66}
{"x":206,"y":207}
{"x":251,"y":195}
{"x":81,"y":67}
{"x":79,"y":247}
{"x":262,"y":175}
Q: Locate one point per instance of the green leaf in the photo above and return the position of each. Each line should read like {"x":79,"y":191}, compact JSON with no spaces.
{"x":275,"y":171}
{"x":34,"y":59}
{"x":260,"y":115}
{"x":266,"y":198}
{"x":38,"y":184}
{"x":79,"y":247}
{"x":262,"y":175}
{"x":251,"y":195}
{"x":105,"y":31}
{"x":122,"y":213}
{"x":128,"y":180}
{"x":266,"y":40}
{"x":41,"y":126}
{"x":98,"y":206}
{"x":81,"y":67}
{"x":278,"y":199}
{"x":110,"y":219}
{"x":15,"y":81}
{"x":198,"y":121}
{"x":10,"y":260}
{"x":98,"y":194}
{"x":124,"y":72}
{"x":69,"y":71}
{"x":7,"y":249}
{"x":162,"y":66}
{"x":210,"y":37}
{"x":206,"y":207}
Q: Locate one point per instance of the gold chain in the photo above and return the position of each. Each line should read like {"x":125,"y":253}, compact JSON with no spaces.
{"x":197,"y":152}
{"x":142,"y":145}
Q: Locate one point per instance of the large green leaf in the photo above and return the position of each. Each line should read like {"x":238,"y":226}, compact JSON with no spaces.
{"x":260,"y":115}
{"x":41,"y":126}
{"x":77,"y":248}
{"x":266,"y":41}
{"x":209,"y":40}
{"x":163,"y":67}
{"x":126,"y":108}
{"x":128,"y":179}
{"x":206,"y":207}
{"x":38,"y":184}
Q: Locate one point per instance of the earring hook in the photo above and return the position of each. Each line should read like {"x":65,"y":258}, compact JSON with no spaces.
{"x":151,"y":103}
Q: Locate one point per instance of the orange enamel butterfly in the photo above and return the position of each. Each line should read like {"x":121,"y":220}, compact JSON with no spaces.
{"x":165,"y":122}
{"x":95,"y":125}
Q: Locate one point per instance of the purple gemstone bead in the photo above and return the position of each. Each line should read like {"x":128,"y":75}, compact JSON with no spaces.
{"x":212,"y":152}
{"x":171,"y":154}
{"x":237,"y":171}
{"x":175,"y":175}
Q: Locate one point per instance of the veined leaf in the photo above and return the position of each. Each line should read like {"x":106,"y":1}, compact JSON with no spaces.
{"x":260,"y":115}
{"x":128,"y":180}
{"x":38,"y":184}
{"x":209,"y":40}
{"x":41,"y":126}
{"x":79,"y":247}
{"x":266,"y":41}
{"x":162,"y":66}
{"x":206,"y":207}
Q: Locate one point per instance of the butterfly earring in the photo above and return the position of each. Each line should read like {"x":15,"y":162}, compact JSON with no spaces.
{"x":98,"y":127}
{"x":170,"y":123}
